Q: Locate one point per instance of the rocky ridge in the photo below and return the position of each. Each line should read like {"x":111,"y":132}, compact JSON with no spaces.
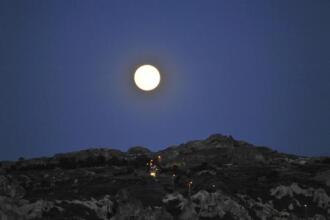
{"x":215,"y":178}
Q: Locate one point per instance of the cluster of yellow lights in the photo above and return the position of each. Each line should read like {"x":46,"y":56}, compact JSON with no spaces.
{"x":153,"y":168}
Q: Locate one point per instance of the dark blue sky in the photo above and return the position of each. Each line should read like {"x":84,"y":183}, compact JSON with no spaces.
{"x":257,"y":70}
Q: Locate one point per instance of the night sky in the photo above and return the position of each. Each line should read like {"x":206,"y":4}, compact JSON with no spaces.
{"x":256,"y":70}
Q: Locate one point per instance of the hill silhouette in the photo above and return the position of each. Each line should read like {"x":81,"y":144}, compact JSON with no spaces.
{"x":215,"y":178}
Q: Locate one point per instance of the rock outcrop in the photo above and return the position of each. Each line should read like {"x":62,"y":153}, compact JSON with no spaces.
{"x":215,"y":178}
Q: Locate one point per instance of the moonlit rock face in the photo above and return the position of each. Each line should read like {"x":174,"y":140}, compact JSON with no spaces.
{"x":147,"y":77}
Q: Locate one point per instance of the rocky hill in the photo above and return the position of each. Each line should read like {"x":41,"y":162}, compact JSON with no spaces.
{"x":215,"y":178}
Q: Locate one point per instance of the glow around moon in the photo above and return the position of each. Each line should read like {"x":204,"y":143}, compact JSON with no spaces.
{"x":147,"y":77}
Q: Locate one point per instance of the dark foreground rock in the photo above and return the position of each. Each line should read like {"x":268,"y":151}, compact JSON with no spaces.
{"x":216,"y":178}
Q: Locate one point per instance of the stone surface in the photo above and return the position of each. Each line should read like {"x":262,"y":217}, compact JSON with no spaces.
{"x":215,"y":178}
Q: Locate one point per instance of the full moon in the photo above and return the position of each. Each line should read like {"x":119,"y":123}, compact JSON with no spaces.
{"x":147,"y":77}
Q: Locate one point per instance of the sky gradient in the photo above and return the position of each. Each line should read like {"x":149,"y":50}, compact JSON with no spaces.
{"x":256,"y":70}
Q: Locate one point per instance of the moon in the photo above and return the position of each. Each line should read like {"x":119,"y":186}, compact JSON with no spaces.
{"x":147,"y":77}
